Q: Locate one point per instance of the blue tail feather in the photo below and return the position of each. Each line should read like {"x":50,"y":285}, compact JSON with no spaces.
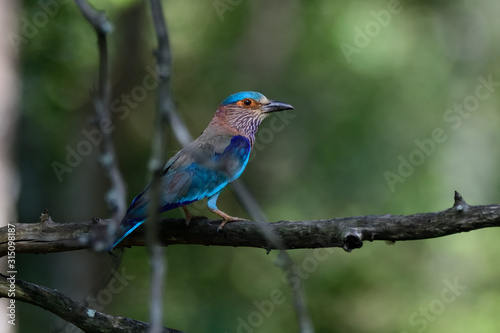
{"x":129,"y":230}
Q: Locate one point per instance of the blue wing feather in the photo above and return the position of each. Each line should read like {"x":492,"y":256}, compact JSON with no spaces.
{"x":200,"y":170}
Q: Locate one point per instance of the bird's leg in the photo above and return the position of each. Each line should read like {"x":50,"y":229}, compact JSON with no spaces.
{"x":225,"y":217}
{"x":190,"y":216}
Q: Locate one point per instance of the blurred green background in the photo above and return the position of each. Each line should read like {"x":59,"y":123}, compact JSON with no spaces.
{"x":367,"y":80}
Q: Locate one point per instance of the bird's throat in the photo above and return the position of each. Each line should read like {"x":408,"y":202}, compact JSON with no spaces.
{"x":245,"y":124}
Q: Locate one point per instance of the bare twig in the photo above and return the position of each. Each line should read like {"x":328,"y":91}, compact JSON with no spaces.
{"x":85,"y":318}
{"x":165,"y":102}
{"x":348,"y":233}
{"x":285,"y":261}
{"x":116,"y":197}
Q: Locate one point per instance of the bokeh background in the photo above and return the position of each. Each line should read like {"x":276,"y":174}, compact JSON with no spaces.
{"x":367,"y":80}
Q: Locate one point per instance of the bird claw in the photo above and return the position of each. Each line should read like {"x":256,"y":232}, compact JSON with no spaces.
{"x":219,"y":228}
{"x":194,"y":217}
{"x":190,"y":216}
{"x":231,"y":219}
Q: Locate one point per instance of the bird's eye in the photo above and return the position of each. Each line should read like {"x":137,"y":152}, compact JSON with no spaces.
{"x":247,"y":102}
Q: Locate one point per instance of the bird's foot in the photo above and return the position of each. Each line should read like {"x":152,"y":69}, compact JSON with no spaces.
{"x":228,"y":219}
{"x":195,"y":217}
{"x":190,"y":216}
{"x":225,"y":217}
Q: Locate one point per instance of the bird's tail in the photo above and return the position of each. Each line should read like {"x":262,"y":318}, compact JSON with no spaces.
{"x":126,"y":228}
{"x":135,"y":216}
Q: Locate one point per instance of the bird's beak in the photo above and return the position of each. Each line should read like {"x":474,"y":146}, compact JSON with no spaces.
{"x":274,"y":106}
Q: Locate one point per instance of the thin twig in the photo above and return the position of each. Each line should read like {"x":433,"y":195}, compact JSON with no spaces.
{"x":83,"y":317}
{"x":165,"y":102}
{"x":285,"y":261}
{"x":116,"y":197}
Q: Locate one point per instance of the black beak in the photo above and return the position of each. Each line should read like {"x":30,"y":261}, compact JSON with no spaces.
{"x":274,"y":106}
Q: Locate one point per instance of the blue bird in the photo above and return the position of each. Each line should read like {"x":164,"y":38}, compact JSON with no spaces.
{"x":205,"y":166}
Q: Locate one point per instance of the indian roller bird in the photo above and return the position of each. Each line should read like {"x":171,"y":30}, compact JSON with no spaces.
{"x":206,"y":165}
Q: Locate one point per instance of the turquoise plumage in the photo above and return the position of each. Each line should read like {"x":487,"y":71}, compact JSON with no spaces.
{"x":205,"y":166}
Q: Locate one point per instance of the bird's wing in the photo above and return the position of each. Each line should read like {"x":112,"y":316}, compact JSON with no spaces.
{"x":204,"y":168}
{"x":199,"y":170}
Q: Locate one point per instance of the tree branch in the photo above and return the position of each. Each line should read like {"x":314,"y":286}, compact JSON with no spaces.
{"x":348,"y":233}
{"x":87,"y":319}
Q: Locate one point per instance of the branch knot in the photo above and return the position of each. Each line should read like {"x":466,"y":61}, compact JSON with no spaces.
{"x":460,"y":205}
{"x":352,"y":241}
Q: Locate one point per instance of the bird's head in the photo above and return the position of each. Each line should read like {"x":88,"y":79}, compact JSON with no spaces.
{"x":245,"y":110}
{"x":253,"y":103}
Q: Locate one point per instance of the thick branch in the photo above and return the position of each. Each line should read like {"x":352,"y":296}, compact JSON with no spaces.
{"x":87,"y":319}
{"x":347,"y":233}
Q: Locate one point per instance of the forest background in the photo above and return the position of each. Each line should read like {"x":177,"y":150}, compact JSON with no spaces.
{"x":396,"y":106}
